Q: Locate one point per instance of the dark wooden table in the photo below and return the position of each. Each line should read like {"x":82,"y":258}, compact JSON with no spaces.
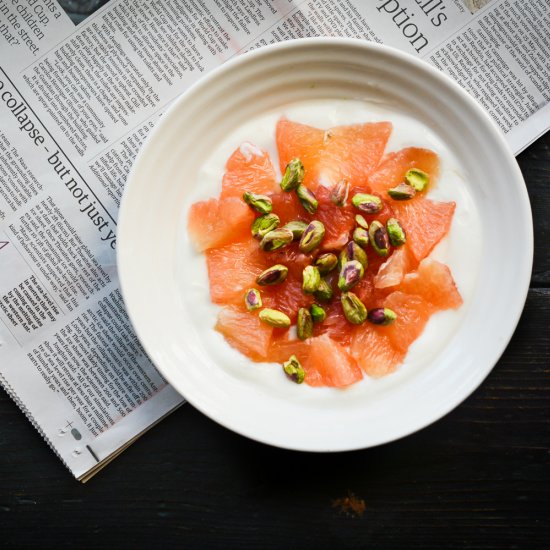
{"x":478,"y":478}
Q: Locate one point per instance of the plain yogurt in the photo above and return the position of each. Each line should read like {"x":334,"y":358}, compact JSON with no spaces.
{"x":462,"y":243}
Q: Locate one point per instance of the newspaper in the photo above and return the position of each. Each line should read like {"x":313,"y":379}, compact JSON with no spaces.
{"x":77,"y":102}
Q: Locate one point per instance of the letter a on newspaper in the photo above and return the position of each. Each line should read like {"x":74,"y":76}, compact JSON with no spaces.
{"x":76,"y":102}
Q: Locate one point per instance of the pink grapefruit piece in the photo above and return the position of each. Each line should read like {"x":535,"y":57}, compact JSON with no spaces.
{"x":434,"y":282}
{"x":392,"y":271}
{"x":232,"y":269}
{"x":245,"y":332}
{"x":374,"y":352}
{"x":426,"y":222}
{"x":353,"y":152}
{"x":216,"y":222}
{"x":249,"y":168}
{"x":395,"y":165}
{"x":344,"y":152}
{"x":329,"y":364}
{"x":413,"y":312}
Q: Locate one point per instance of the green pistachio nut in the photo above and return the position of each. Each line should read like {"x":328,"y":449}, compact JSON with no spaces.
{"x":382,"y":316}
{"x":312,"y":236}
{"x":354,"y":309}
{"x":325,"y":263}
{"x":361,"y":236}
{"x":293,"y":176}
{"x":402,"y":192}
{"x":350,"y":274}
{"x":276,"y":239}
{"x":418,"y":179}
{"x":260,"y":203}
{"x":274,"y":318}
{"x":252,"y":299}
{"x":273,"y":275}
{"x":304,"y":324}
{"x":262,"y":225}
{"x":297,"y":227}
{"x":379,"y":239}
{"x":361,"y":221}
{"x":352,"y":251}
{"x":369,"y":204}
{"x":307,"y":199}
{"x":294,"y":370}
{"x":324,"y":292}
{"x":318,"y":314}
{"x":311,"y":278}
{"x":339,"y":193}
{"x":396,"y":233}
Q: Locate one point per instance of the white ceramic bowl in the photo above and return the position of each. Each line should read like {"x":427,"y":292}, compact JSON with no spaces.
{"x":150,"y":236}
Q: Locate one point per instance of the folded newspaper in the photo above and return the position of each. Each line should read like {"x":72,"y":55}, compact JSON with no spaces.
{"x":76,"y":102}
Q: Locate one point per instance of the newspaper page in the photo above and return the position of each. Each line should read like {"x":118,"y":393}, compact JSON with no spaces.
{"x":77,"y":102}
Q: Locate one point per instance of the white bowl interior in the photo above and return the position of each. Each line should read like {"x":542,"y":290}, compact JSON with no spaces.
{"x":166,"y":170}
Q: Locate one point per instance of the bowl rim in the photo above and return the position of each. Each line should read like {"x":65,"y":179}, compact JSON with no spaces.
{"x":447,"y":82}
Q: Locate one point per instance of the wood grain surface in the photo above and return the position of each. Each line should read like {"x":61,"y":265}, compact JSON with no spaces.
{"x":478,"y":478}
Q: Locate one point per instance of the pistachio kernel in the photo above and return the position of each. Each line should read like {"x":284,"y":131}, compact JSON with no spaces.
{"x":312,"y":236}
{"x":361,"y":221}
{"x":350,"y":274}
{"x":307,"y":199}
{"x":352,"y":251}
{"x":260,"y":203}
{"x":382,"y":316}
{"x":361,"y":236}
{"x":294,"y":370}
{"x":297,"y":227}
{"x":311,"y":278}
{"x":318,"y":314}
{"x":417,"y":178}
{"x":324,"y":291}
{"x":339,"y":193}
{"x":369,"y":204}
{"x":274,"y":318}
{"x":273,"y":275}
{"x":293,"y":176}
{"x":402,"y":192}
{"x":354,"y":309}
{"x":304,"y":324}
{"x":325,"y":263}
{"x":396,"y":233}
{"x":379,"y":239}
{"x":262,"y":225}
{"x":252,"y":299}
{"x":276,"y":239}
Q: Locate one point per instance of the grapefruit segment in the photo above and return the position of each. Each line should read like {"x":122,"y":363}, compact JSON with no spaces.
{"x":392,"y":271}
{"x":351,"y":152}
{"x":373,"y":351}
{"x":216,"y":222}
{"x":281,"y":349}
{"x":426,"y":223}
{"x":287,"y":297}
{"x":232,"y":269}
{"x":412,"y":312}
{"x":395,"y":165}
{"x":338,"y":221}
{"x":249,"y":168}
{"x":335,"y":324}
{"x":302,"y":141}
{"x":329,"y":364}
{"x":245,"y":332}
{"x":434,"y":283}
{"x":288,"y":208}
